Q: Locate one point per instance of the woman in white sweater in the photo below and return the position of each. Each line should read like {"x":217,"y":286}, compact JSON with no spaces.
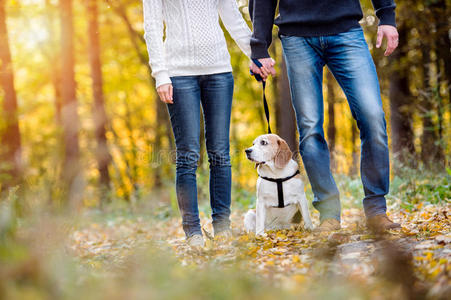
{"x":191,"y":66}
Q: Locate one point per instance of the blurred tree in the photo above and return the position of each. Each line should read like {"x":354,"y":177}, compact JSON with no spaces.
{"x":443,"y":64}
{"x":71,"y":170}
{"x":285,"y":117}
{"x":429,"y":136}
{"x":401,"y":100}
{"x":10,"y":151}
{"x":353,"y":170}
{"x":162,"y":124}
{"x":421,"y":67}
{"x":103,"y":156}
{"x":52,"y":57}
{"x":331,"y":129}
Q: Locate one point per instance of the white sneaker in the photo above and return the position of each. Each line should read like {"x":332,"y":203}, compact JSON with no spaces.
{"x":196,"y":241}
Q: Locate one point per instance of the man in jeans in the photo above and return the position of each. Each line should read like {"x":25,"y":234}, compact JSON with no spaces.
{"x":327,"y":32}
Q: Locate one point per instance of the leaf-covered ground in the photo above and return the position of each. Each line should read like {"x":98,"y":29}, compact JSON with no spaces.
{"x":411,"y":263}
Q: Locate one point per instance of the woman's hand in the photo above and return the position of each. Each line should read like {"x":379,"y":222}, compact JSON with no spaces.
{"x":165,"y":93}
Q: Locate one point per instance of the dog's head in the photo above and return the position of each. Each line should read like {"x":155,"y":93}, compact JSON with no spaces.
{"x":269,"y":149}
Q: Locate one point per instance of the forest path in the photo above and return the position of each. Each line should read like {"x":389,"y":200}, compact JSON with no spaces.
{"x":417,"y":255}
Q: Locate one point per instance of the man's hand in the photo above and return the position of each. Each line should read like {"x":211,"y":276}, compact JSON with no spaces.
{"x":266,"y":69}
{"x":165,"y":93}
{"x":391,"y":33}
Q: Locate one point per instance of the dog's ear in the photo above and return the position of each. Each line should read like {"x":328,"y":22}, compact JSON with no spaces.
{"x":283,"y":154}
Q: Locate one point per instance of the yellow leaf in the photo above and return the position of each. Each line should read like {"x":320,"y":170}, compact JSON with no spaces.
{"x":280,"y":235}
{"x":419,"y":258}
{"x":244,"y":238}
{"x":429,"y":255}
{"x":299,"y":278}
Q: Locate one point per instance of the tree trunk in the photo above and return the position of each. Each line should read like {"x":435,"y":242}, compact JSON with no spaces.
{"x":132,"y":163}
{"x":103,"y":156}
{"x":441,"y":13}
{"x":10,"y":152}
{"x":440,"y":112}
{"x":162,"y":127}
{"x":443,"y":56}
{"x":429,"y":136}
{"x":400,"y":103}
{"x":53,"y":59}
{"x":70,"y":122}
{"x":355,"y":153}
{"x":331,"y":129}
{"x":285,"y":117}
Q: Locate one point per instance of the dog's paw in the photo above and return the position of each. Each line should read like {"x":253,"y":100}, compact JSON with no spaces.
{"x":261,"y":234}
{"x":249,"y":221}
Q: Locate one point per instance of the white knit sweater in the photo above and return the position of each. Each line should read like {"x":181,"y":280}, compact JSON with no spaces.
{"x":194,"y":43}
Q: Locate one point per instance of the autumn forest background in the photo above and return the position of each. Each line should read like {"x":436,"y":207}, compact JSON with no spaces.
{"x":85,"y":141}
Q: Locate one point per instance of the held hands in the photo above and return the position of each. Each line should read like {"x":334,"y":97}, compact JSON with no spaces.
{"x":165,"y":92}
{"x":391,"y":33}
{"x":266,"y":69}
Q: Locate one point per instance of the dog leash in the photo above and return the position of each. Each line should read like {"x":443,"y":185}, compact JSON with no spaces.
{"x":265,"y":102}
{"x":278,"y":181}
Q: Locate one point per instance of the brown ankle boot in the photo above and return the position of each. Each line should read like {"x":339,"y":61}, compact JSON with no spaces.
{"x":381,"y":223}
{"x":328,"y":225}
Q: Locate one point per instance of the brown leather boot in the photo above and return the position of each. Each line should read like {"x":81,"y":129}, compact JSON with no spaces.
{"x":328,"y":225}
{"x":381,"y":223}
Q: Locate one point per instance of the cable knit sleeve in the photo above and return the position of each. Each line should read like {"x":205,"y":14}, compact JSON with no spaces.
{"x":235,"y":24}
{"x":153,"y":34}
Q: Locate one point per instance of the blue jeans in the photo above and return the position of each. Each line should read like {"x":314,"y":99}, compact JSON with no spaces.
{"x":348,"y":58}
{"x":214,"y":92}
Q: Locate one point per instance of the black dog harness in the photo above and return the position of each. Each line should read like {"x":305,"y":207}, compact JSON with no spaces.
{"x":279,"y":182}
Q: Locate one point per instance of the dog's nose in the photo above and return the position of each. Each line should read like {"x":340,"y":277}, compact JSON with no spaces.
{"x":248,"y":151}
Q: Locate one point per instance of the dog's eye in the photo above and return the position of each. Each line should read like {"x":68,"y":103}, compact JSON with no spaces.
{"x":263,"y":143}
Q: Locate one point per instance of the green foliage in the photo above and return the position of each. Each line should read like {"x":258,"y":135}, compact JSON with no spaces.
{"x":351,"y":190}
{"x":243,"y":198}
{"x":412,"y":188}
{"x":9,"y":213}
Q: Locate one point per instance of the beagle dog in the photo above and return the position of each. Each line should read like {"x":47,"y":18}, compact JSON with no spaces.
{"x":281,"y":200}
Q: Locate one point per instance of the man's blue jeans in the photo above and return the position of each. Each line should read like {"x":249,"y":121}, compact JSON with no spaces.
{"x":348,"y":58}
{"x":214,"y":92}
